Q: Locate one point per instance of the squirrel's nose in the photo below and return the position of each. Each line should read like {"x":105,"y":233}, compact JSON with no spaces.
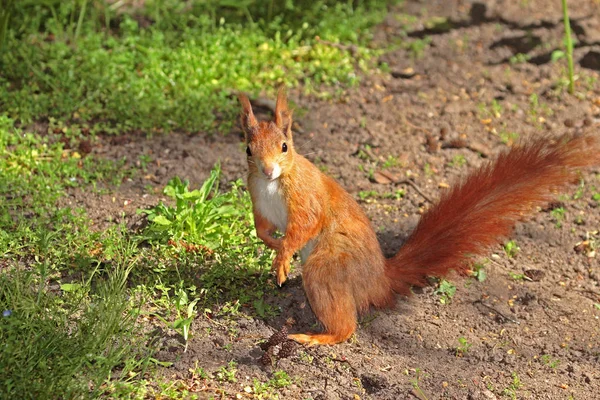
{"x":268,"y":171}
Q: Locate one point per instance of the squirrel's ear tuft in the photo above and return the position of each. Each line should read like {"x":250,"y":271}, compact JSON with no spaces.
{"x":247,"y":118}
{"x":283,"y":115}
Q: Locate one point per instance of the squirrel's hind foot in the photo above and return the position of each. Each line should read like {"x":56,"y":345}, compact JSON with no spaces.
{"x":318,"y":338}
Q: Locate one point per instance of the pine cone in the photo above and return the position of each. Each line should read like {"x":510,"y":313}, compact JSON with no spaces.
{"x":288,"y":349}
{"x":264,"y":346}
{"x":266,"y":359}
{"x":278,"y":337}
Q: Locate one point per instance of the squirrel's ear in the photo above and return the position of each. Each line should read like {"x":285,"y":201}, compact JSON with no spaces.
{"x":247,"y":117}
{"x":283,"y":115}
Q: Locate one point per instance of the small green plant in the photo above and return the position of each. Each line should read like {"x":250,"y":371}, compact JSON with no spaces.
{"x":483,"y":110}
{"x":579,"y":192}
{"x":516,"y":276}
{"x":390,"y":162}
{"x":597,"y":306}
{"x":569,"y":46}
{"x":557,"y":55}
{"x":511,"y":248}
{"x":534,"y":108}
{"x":367,"y":194}
{"x":458,"y":161}
{"x":549,"y":361}
{"x":66,"y":343}
{"x":306,"y":357}
{"x":280,"y":379}
{"x":537,"y":110}
{"x":509,"y":138}
{"x":363,"y":154}
{"x":559,"y":215}
{"x":445,"y":291}
{"x":463,"y":346}
{"x":416,"y":384}
{"x":396,"y":195}
{"x":186,"y":312}
{"x":479,"y":272}
{"x":520,"y":58}
{"x":369,"y":172}
{"x":260,"y":388}
{"x":198,"y":372}
{"x":511,"y":390}
{"x":596,"y":197}
{"x":494,"y":109}
{"x":227,"y":373}
{"x":263,"y":309}
{"x":417,"y":47}
{"x":196,"y":216}
{"x":144,"y":160}
{"x":227,"y":347}
{"x":428,"y":169}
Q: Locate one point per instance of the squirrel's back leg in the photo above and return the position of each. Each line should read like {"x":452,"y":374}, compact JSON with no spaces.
{"x":330,"y":298}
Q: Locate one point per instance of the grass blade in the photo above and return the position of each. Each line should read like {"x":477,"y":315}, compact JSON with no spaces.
{"x":569,"y":44}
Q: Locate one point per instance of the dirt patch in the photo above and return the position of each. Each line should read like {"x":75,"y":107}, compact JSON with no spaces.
{"x":478,"y":77}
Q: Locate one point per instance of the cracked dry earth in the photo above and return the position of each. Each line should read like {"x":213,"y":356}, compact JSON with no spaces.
{"x":476,"y":77}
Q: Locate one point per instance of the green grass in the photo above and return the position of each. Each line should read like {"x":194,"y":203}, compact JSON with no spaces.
{"x":68,"y":343}
{"x":72,"y":294}
{"x":76,"y":299}
{"x":34,"y":173}
{"x":68,"y":319}
{"x":180,"y":71}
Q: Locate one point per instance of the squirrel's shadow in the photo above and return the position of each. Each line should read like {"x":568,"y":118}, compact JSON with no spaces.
{"x":293,"y":303}
{"x":294,"y":306}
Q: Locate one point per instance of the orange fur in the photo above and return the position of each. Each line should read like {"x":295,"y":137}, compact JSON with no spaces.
{"x":344,"y":269}
{"x":477,"y":213}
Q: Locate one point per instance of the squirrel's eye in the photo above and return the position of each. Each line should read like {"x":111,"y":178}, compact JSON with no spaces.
{"x":248,"y":151}
{"x":284,"y":148}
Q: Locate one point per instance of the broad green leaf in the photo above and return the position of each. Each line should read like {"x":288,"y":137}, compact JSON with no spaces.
{"x":70,"y":287}
{"x":161,"y":220}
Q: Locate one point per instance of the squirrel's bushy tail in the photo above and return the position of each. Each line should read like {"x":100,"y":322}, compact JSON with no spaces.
{"x":481,"y":210}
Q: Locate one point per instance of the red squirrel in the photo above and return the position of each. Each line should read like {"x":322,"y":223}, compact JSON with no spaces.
{"x":344,"y":270}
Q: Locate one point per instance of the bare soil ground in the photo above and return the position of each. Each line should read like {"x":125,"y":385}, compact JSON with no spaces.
{"x":478,"y":76}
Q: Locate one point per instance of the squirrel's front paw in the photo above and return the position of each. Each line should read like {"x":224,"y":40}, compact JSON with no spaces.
{"x":282,"y":269}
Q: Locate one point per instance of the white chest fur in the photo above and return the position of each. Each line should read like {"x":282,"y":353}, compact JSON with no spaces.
{"x":270,"y":203}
